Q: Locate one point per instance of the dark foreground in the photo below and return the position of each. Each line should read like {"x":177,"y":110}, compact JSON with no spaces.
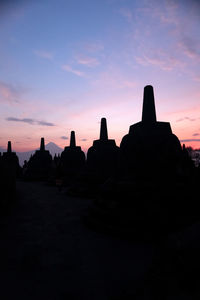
{"x":46,"y":252}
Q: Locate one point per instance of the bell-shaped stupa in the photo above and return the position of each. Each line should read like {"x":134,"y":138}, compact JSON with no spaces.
{"x":102,"y":157}
{"x":39,"y":165}
{"x":150,"y":147}
{"x":72,"y":158}
{"x":11,"y":157}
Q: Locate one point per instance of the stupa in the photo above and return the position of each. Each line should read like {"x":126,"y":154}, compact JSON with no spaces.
{"x":11,"y":158}
{"x":39,"y":165}
{"x":149,"y":197}
{"x":102,"y":157}
{"x":9,"y":170}
{"x":150,"y":147}
{"x":72,"y":158}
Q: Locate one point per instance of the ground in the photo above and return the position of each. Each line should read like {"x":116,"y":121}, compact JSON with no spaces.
{"x":46,"y":251}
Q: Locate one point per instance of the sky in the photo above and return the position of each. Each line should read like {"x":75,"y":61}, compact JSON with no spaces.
{"x":65,"y":64}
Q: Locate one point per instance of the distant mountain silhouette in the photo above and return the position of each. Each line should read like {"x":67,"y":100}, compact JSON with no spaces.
{"x":52,"y":147}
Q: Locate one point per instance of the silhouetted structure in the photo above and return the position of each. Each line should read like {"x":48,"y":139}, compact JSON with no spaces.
{"x":102,"y":157}
{"x":188,"y":166}
{"x":9,"y":170}
{"x":149,"y":197}
{"x":11,"y":158}
{"x":39,"y":165}
{"x":150,"y":147}
{"x":72,"y":158}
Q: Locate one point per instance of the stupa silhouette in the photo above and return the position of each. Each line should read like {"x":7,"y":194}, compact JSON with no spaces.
{"x":149,"y":197}
{"x":11,"y":158}
{"x":9,"y":170}
{"x":39,"y":164}
{"x":150,"y":147}
{"x":102,"y":157}
{"x":72,"y":158}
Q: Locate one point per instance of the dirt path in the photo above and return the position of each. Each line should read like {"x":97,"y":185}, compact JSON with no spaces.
{"x":47,"y":253}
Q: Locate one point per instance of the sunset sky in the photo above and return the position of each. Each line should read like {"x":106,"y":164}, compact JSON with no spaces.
{"x":64,"y":64}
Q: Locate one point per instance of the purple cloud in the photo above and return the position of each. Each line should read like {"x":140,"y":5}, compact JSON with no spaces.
{"x":30,"y":121}
{"x":87,"y":61}
{"x":190,"y":140}
{"x":44,"y":123}
{"x":68,"y":68}
{"x":186,"y":118}
{"x":159,"y":59}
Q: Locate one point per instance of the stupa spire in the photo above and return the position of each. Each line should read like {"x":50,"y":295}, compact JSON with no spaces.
{"x":148,"y":111}
{"x":42,"y":146}
{"x":9,"y":148}
{"x":103,"y":130}
{"x":72,"y":139}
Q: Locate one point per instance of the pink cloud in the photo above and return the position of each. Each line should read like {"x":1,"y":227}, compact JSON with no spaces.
{"x":168,"y":15}
{"x":87,"y":61}
{"x":68,"y":68}
{"x":160,"y":59}
{"x":187,"y":118}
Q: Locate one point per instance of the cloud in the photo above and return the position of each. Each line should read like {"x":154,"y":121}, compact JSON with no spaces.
{"x":190,"y":47}
{"x":25,"y":120}
{"x":159,"y":59}
{"x":74,"y":71}
{"x":196,"y":134}
{"x":44,"y":123}
{"x":186,"y":118}
{"x":168,"y":15}
{"x":30,"y":121}
{"x":10,"y":93}
{"x":64,"y":137}
{"x":87,"y":61}
{"x":44,"y":54}
{"x":190,"y":140}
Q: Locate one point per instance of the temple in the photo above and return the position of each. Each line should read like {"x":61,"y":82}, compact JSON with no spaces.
{"x":72,"y":158}
{"x":102,"y":157}
{"x":151,"y":189}
{"x":150,"y":147}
